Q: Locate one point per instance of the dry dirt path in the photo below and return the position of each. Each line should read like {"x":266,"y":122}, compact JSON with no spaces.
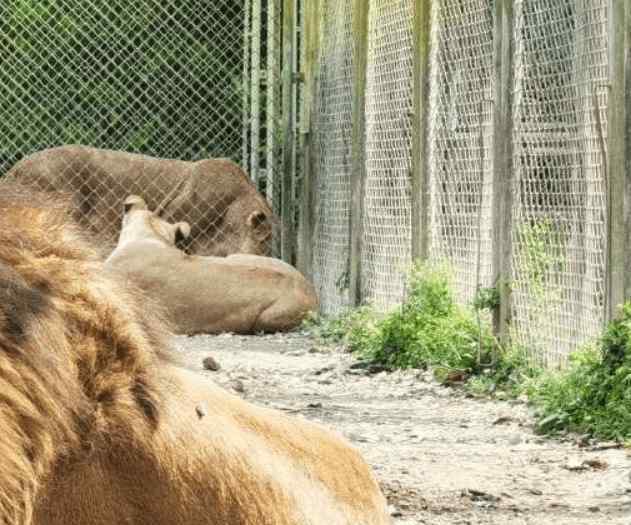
{"x":441,"y":457}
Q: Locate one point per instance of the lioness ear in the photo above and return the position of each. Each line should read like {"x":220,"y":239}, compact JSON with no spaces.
{"x":182,"y":231}
{"x":256,"y":220}
{"x":134,"y":201}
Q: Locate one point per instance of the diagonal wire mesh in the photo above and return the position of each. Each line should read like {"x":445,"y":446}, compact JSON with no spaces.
{"x":166,"y":78}
{"x":387,"y":226}
{"x":119,"y":74}
{"x":462,"y":85}
{"x":559,"y":226}
{"x":333,"y":149}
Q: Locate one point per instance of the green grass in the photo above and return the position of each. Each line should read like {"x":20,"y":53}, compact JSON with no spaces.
{"x":593,"y":395}
{"x":430,"y":330}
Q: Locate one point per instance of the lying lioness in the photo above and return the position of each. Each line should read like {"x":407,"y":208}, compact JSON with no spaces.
{"x":239,"y":293}
{"x":99,"y":427}
{"x":226,"y":212}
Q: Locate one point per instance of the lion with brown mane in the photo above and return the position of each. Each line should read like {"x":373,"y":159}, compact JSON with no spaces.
{"x":99,"y":426}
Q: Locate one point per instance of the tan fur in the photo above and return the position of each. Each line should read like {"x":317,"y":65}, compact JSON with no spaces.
{"x":99,"y":427}
{"x":226,"y":213}
{"x":239,"y":293}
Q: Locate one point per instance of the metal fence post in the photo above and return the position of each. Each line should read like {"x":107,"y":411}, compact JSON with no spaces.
{"x":360,"y":35}
{"x":287,"y":219}
{"x":420,"y":171}
{"x":503,"y":164}
{"x":618,"y":281}
{"x":245,"y":96}
{"x":311,"y":41}
{"x":255,"y":89}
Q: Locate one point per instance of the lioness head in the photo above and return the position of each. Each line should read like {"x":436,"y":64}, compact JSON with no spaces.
{"x":141,"y":224}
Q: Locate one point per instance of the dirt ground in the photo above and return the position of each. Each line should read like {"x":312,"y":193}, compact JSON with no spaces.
{"x":441,"y":457}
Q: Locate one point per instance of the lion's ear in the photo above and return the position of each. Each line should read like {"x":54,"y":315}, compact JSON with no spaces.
{"x":134,"y":202}
{"x":257,"y":222}
{"x":182,"y":231}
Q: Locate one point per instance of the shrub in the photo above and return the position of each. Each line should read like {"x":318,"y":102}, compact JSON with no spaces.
{"x":429,"y":329}
{"x":594,"y":394}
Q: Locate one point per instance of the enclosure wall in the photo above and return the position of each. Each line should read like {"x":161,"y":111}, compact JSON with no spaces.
{"x":553,"y":161}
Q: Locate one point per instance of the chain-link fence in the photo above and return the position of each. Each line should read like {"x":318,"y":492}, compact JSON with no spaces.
{"x":173,"y":80}
{"x":555,"y":165}
{"x":333,"y":144}
{"x":201,"y":80}
{"x":387,"y":226}
{"x":559,"y":227}
{"x":462,"y":84}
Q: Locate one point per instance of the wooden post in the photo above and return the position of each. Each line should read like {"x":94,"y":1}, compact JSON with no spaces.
{"x":617,"y":283}
{"x":360,"y":35}
{"x":310,"y":66}
{"x":503,"y":164}
{"x":420,"y":151}
{"x":627,"y":149}
{"x":287,"y":219}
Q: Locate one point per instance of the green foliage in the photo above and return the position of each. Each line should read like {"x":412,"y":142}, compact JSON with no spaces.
{"x":594,"y":394}
{"x":538,"y":254}
{"x":160,"y":79}
{"x":486,"y":299}
{"x":429,"y":329}
{"x":509,"y":375}
{"x":349,"y":328}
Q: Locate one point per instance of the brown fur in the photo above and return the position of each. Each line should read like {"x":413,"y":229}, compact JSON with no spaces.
{"x":98,"y":427}
{"x":239,"y":293}
{"x":226,"y":213}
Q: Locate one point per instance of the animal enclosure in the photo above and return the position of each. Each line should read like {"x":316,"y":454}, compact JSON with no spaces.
{"x":487,"y":133}
{"x":183,"y":80}
{"x":490,"y":134}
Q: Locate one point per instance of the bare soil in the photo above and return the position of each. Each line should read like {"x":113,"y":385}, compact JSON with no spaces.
{"x":440,"y":456}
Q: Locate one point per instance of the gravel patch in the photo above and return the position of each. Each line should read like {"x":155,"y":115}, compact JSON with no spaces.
{"x":441,"y":457}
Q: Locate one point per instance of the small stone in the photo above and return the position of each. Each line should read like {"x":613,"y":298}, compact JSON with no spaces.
{"x":328,"y":368}
{"x":515,"y":439}
{"x":583,"y":440}
{"x":375,"y":368}
{"x":357,"y":437}
{"x":596,"y":464}
{"x":575,"y":465}
{"x":238,"y":386}
{"x":210,"y":363}
{"x":479,"y":495}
